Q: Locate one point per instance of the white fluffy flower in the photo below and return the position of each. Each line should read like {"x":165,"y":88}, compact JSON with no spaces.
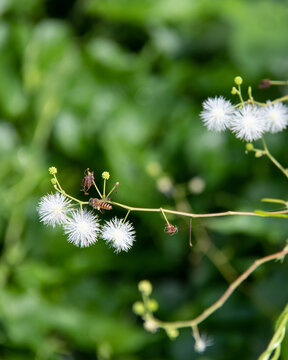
{"x":216,"y":113}
{"x":119,"y":235}
{"x":53,"y":209}
{"x":202,"y":342}
{"x":248,"y":123}
{"x":276,"y":117}
{"x":82,"y":228}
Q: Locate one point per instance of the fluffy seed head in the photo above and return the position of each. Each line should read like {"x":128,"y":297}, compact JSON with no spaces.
{"x":118,"y":235}
{"x":247,"y":123}
{"x":216,"y":113}
{"x":82,"y":228}
{"x":53,"y":209}
{"x":276,"y":117}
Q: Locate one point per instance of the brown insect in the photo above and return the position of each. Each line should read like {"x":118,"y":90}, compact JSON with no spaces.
{"x":99,"y":204}
{"x":87,"y":181}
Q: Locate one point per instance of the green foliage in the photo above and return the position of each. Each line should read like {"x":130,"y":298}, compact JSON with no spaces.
{"x":118,"y":85}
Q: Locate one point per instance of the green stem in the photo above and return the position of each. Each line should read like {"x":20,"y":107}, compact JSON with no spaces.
{"x":128,"y":212}
{"x":274,"y":161}
{"x":104,"y":188}
{"x":110,"y":192}
{"x":192,"y":215}
{"x":96,"y":187}
{"x":283,"y":98}
{"x":175,"y":212}
{"x":277,"y":82}
{"x":277,"y":337}
{"x":165,"y":217}
{"x":220,"y":302}
{"x":61,"y":191}
{"x":240,"y":95}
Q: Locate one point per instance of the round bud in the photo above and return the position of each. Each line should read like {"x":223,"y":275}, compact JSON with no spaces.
{"x":52,"y":170}
{"x":145,"y":287}
{"x":152,"y":305}
{"x":249,"y":147}
{"x":234,"y":91}
{"x":172,"y":333}
{"x":238,"y":80}
{"x":138,"y":308}
{"x":53,"y":181}
{"x":106,"y":175}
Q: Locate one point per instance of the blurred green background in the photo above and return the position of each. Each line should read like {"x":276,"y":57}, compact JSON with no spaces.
{"x":117,"y":85}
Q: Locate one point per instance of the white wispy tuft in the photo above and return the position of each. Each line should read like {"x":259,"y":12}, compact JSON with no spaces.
{"x":202,"y":342}
{"x":276,"y":117}
{"x":216,"y":113}
{"x":118,"y":235}
{"x":248,"y":124}
{"x":53,"y":209}
{"x":82,"y":228}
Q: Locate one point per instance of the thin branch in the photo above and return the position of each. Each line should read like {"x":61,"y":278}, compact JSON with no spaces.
{"x":274,"y":161}
{"x":193,"y":215}
{"x":220,"y":302}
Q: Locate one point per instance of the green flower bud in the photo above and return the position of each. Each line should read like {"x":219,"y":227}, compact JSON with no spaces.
{"x":52,"y":170}
{"x":258,"y":153}
{"x":53,"y":181}
{"x":138,"y":308}
{"x":234,"y":91}
{"x":145,"y":287}
{"x":249,"y":147}
{"x":238,"y":80}
{"x":106,"y":175}
{"x":152,"y":305}
{"x":172,"y":333}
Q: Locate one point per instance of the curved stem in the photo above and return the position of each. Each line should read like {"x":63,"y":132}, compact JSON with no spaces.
{"x":220,"y":302}
{"x":274,"y":161}
{"x":283,"y":98}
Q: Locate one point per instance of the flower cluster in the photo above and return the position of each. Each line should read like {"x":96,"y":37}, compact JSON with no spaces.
{"x":248,"y":122}
{"x":83,"y":227}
